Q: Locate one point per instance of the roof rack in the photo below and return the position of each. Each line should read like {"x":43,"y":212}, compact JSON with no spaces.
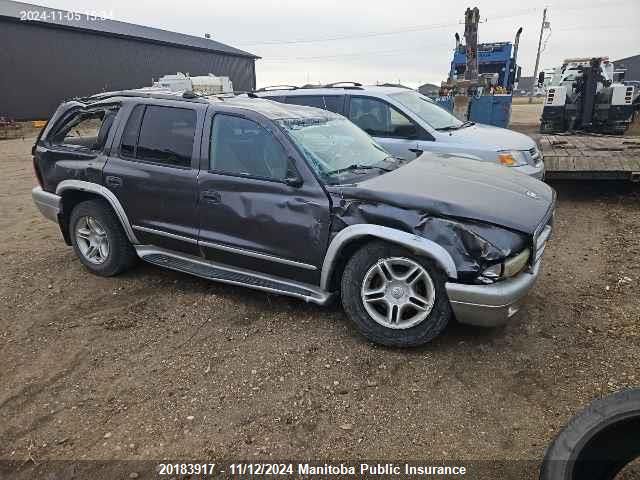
{"x":277,"y":87}
{"x":141,"y":93}
{"x":348,"y":85}
{"x":163,"y":94}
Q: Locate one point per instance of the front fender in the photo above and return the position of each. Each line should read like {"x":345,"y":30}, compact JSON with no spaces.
{"x":415,"y":243}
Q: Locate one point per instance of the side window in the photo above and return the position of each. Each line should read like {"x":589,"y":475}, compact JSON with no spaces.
{"x":277,"y":99}
{"x":307,"y":100}
{"x":334,"y":103}
{"x":160,"y":134}
{"x":86,"y":129}
{"x":379,"y":119}
{"x":242,"y":147}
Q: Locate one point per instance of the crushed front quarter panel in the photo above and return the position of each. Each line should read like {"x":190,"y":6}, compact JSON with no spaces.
{"x":472,"y":245}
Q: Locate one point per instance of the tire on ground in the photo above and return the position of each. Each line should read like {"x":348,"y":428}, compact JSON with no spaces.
{"x":352,"y":280}
{"x":598,"y":442}
{"x":121,"y":256}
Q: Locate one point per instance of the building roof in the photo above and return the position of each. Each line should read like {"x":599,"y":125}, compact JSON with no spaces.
{"x":78,"y":21}
{"x":632,"y":57}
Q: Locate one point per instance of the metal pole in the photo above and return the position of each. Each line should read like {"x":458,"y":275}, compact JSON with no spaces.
{"x":535,"y":70}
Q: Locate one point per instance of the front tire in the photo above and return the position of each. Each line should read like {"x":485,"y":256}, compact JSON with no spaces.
{"x":98,"y":239}
{"x":393,"y":297}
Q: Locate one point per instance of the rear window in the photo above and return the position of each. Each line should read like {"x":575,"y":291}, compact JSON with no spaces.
{"x":158,"y":134}
{"x":85,"y":129}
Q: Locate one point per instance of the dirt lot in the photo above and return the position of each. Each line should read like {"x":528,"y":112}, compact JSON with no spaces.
{"x":156,"y":364}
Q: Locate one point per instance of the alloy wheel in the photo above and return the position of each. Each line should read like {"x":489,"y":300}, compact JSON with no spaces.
{"x":398,"y":293}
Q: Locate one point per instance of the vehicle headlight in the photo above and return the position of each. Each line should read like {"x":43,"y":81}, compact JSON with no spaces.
{"x":517,"y":263}
{"x":512,"y":158}
{"x":507,"y":269}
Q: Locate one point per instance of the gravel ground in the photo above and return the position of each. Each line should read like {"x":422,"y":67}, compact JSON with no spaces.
{"x":157,"y":364}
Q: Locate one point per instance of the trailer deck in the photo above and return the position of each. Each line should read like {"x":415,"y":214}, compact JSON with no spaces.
{"x":590,"y":157}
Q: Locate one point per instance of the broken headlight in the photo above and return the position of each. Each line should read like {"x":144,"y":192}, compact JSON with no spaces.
{"x":507,"y":269}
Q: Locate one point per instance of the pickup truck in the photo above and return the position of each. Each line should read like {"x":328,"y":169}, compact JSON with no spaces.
{"x":292,"y":200}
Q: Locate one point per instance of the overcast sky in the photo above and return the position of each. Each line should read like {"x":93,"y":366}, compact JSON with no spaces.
{"x":381,"y":41}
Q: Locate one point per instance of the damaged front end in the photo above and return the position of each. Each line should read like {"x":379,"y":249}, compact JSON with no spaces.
{"x":479,"y":250}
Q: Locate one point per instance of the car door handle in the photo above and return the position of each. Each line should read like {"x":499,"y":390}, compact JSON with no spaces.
{"x":417,"y":151}
{"x":114,"y":182}
{"x":210,"y":196}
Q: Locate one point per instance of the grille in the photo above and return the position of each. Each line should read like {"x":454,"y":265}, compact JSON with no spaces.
{"x":534,"y":156}
{"x":541,"y":243}
{"x":543,"y":234}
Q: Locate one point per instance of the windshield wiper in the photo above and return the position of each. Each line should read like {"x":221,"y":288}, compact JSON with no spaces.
{"x":449,"y":127}
{"x":456,"y":127}
{"x":356,"y":166}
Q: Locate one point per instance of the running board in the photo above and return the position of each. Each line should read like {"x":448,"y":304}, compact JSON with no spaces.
{"x":233,"y":275}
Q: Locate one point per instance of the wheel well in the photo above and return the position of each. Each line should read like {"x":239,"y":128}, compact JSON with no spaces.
{"x":347,"y":251}
{"x":71,"y":198}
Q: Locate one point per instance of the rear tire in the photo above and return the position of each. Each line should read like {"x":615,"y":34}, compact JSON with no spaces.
{"x":598,"y":442}
{"x":98,"y":239}
{"x":393,"y":297}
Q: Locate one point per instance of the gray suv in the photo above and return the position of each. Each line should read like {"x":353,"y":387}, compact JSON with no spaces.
{"x":407,"y":123}
{"x":292,"y":200}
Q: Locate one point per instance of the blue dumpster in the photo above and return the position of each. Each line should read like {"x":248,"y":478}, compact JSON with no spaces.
{"x":491,"y":110}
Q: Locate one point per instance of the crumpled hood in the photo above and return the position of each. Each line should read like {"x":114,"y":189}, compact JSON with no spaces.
{"x":490,"y":136}
{"x":447,"y":185}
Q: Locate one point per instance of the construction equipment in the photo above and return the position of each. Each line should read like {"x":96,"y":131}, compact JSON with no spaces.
{"x":584,"y":96}
{"x":482,"y":76}
{"x":497,"y":65}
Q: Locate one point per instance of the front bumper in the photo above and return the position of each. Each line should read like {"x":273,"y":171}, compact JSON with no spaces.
{"x":47,"y":203}
{"x":491,"y":305}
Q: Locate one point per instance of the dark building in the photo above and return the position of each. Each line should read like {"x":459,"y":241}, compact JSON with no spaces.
{"x":631,"y":65}
{"x":48,"y":55}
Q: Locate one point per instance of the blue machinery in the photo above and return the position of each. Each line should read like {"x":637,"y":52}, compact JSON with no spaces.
{"x":493,"y":58}
{"x":485,"y":74}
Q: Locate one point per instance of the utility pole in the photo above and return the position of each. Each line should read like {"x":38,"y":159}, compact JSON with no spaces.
{"x":535,"y":70}
{"x":471,"y":20}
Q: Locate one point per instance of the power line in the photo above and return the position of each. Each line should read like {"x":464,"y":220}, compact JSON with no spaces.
{"x":288,"y":59}
{"x":355,"y":54}
{"x":416,"y":28}
{"x":407,"y":29}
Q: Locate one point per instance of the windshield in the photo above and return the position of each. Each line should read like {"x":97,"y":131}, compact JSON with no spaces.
{"x":337,"y":149}
{"x":427,"y":110}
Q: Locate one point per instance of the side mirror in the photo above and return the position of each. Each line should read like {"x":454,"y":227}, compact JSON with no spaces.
{"x":293,"y":181}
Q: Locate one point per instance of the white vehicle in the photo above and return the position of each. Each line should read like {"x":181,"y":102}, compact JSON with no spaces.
{"x":407,"y":124}
{"x":583,"y":95}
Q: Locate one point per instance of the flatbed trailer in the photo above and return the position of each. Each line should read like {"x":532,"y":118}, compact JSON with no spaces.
{"x":590,"y":157}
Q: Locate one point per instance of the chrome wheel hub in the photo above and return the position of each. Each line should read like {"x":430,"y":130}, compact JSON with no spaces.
{"x":92,"y":240}
{"x":398,"y":293}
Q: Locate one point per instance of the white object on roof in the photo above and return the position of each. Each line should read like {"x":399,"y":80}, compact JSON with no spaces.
{"x":203,"y":84}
